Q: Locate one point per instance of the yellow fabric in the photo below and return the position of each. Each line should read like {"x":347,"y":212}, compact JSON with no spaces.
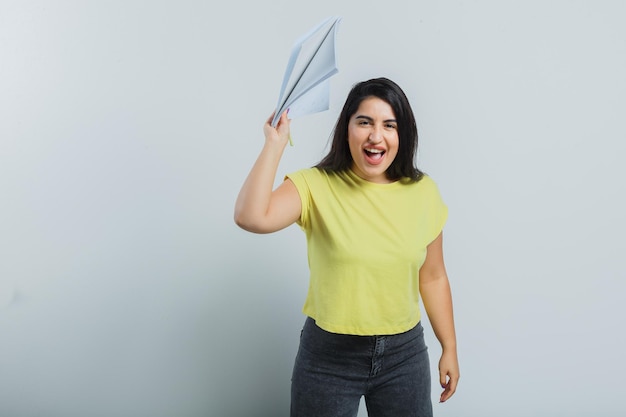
{"x":366,"y":243}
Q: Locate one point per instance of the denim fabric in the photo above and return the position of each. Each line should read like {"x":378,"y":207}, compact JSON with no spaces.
{"x":332,"y":372}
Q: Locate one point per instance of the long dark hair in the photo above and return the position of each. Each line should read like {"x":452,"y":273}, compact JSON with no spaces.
{"x":403,"y":166}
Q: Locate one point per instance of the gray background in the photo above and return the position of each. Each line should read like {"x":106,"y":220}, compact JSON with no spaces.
{"x":127,"y":128}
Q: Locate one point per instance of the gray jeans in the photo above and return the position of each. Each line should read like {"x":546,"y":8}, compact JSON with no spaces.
{"x":332,"y":372}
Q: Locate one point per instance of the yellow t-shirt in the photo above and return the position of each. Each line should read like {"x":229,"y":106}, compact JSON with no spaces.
{"x":366,"y":243}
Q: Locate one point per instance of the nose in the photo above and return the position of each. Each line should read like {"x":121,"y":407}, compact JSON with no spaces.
{"x":375,"y":136}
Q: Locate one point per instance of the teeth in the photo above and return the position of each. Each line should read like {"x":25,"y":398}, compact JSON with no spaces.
{"x":374,"y":150}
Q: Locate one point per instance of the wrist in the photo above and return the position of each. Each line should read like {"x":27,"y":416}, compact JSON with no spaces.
{"x":274,"y":147}
{"x":449,"y":347}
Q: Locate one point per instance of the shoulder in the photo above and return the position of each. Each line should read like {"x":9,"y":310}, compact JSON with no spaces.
{"x":304,"y":173}
{"x":425,"y":190}
{"x":314,"y":176}
{"x":425,"y":183}
{"x":302,"y":177}
{"x":428,"y":184}
{"x":305,"y":180}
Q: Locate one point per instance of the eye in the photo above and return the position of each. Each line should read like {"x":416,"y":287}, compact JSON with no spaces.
{"x":363,"y":122}
{"x":390,"y":125}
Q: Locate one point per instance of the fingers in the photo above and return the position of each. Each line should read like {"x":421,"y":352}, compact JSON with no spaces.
{"x":448,"y":373}
{"x":269,"y":120}
{"x":280,"y":132}
{"x":283,"y":118}
{"x":443,"y":381}
{"x":448,"y":384}
{"x":282,"y":127}
{"x":443,"y":378}
{"x":283,"y":122}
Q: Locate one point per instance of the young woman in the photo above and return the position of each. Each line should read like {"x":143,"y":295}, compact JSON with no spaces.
{"x":373,"y":224}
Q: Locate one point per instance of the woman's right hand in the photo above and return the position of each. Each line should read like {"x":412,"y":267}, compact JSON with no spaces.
{"x":280,"y":133}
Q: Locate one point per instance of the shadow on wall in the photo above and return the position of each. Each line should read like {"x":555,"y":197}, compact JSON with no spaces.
{"x":254,"y":339}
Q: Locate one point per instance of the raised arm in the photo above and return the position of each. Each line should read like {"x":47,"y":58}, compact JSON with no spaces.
{"x":437,"y":299}
{"x":259,"y":209}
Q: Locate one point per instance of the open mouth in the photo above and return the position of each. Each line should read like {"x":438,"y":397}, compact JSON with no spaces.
{"x":374,"y":155}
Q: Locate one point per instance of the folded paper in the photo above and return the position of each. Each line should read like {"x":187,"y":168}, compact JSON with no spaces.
{"x":305,"y":88}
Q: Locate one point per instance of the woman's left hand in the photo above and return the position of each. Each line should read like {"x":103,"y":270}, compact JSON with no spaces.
{"x":448,"y":374}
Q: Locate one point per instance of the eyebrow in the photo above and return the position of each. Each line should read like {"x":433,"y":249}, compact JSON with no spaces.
{"x":361,"y":116}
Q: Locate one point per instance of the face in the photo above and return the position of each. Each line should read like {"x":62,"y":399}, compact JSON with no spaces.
{"x":373,"y":139}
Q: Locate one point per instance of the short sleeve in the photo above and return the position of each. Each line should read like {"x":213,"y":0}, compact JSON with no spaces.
{"x":436,"y":209}
{"x":299,"y":180}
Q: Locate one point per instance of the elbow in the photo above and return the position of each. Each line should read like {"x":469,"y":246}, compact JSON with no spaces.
{"x":241,"y":216}
{"x":241,"y":221}
{"x":246,"y":224}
